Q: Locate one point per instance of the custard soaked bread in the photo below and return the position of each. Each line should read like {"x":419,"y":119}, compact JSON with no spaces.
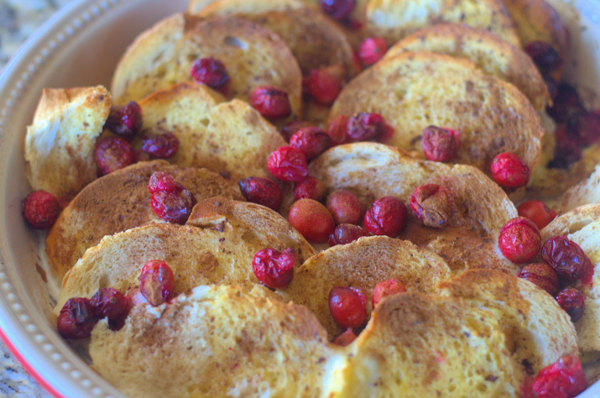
{"x":415,"y":90}
{"x":489,"y":52}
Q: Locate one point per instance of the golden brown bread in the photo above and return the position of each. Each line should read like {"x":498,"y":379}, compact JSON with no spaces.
{"x":586,"y":192}
{"x":415,"y":90}
{"x":59,"y":146}
{"x":489,"y":52}
{"x":117,"y":202}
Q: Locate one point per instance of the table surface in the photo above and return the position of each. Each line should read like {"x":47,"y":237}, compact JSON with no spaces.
{"x":18,"y":19}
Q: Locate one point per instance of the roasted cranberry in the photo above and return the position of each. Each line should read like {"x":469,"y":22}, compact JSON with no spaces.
{"x":387,"y":216}
{"x":325,"y":84}
{"x":537,"y":211}
{"x":509,"y":170}
{"x":543,"y":55}
{"x":366,"y":127}
{"x":311,"y":141}
{"x":440,"y":144}
{"x":76,"y":319}
{"x":346,"y":233}
{"x":311,"y":188}
{"x":567,"y":150}
{"x":288,"y":164}
{"x":162,"y":182}
{"x":386,"y":288}
{"x":432,"y":205}
{"x":568,"y":260}
{"x":262,"y":191}
{"x":312,"y":220}
{"x":371,"y":50}
{"x":110,"y":303}
{"x":520,"y":240}
{"x":40,"y":209}
{"x":273,"y":268}
{"x":174,"y":207}
{"x":345,"y":338}
{"x":161,"y":146}
{"x":563,"y":379}
{"x":113,"y":153}
{"x":210,"y":71}
{"x":338,"y":130}
{"x":542,"y":276}
{"x":125,"y":120}
{"x":566,"y":104}
{"x":157,"y":282}
{"x":292,"y":128}
{"x":271,"y":102}
{"x":337,"y":9}
{"x":348,"y":306}
{"x":345,"y":207}
{"x":584,"y":128}
{"x":573,"y":302}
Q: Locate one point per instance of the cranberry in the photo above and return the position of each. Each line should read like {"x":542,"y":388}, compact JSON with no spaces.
{"x":346,"y":233}
{"x":509,"y":170}
{"x":348,"y":306}
{"x":567,"y":150}
{"x":157,"y":282}
{"x":288,"y":164}
{"x":271,"y":102}
{"x":292,"y":128}
{"x":543,"y":55}
{"x":542,"y":276}
{"x":312,"y":220}
{"x":387,"y":216}
{"x":568,"y":260}
{"x":573,"y":302}
{"x":338,"y":130}
{"x":584,"y":128}
{"x":76,"y":319}
{"x":440,"y":144}
{"x":40,"y":209}
{"x":262,"y":191}
{"x":345,"y":338}
{"x":273,"y":268}
{"x":345,"y":207}
{"x":566,"y":104}
{"x":211,"y":72}
{"x":311,"y":141}
{"x":311,"y":188}
{"x":386,"y":288}
{"x":337,"y":9}
{"x":520,"y":240}
{"x":125,"y":120}
{"x":161,"y":146}
{"x":537,"y":211}
{"x":563,"y":379}
{"x":161,"y":181}
{"x":432,"y":205}
{"x":113,"y":153}
{"x":110,"y":303}
{"x":174,"y":207}
{"x":325,"y":84}
{"x":371,"y":50}
{"x":366,"y":127}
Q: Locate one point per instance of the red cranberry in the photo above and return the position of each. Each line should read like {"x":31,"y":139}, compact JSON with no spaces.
{"x":543,"y":55}
{"x":40,"y":209}
{"x":386,"y":288}
{"x":346,"y":233}
{"x":338,"y":130}
{"x":509,"y":170}
{"x":542,"y":276}
{"x":161,"y":182}
{"x":288,"y":164}
{"x":312,"y":220}
{"x":566,"y":104}
{"x":273,"y":268}
{"x":345,"y":338}
{"x":568,"y":260}
{"x":567,"y":150}
{"x":113,"y":153}
{"x":271,"y":102}
{"x":292,"y":128}
{"x":211,"y":72}
{"x":387,"y":216}
{"x":520,"y":240}
{"x":262,"y":191}
{"x":366,"y":127}
{"x":432,"y":205}
{"x":110,"y":303}
{"x":563,"y":379}
{"x":174,"y":207}
{"x":371,"y":50}
{"x":573,"y":302}
{"x":584,"y":128}
{"x":161,"y":146}
{"x":311,"y":141}
{"x":157,"y":282}
{"x":311,"y":188}
{"x":337,"y":9}
{"x":324,"y":85}
{"x":345,"y":207}
{"x":537,"y":211}
{"x":348,"y":306}
{"x":125,"y":120}
{"x":440,"y":144}
{"x":76,"y":319}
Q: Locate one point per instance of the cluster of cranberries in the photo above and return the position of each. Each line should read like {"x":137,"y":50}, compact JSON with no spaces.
{"x":170,"y":200}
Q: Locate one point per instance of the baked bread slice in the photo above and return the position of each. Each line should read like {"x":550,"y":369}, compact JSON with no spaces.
{"x":415,"y":90}
{"x":117,"y":202}
{"x":586,"y":192}
{"x":217,"y":341}
{"x":396,"y":19}
{"x":363,"y":264}
{"x":489,"y":52}
{"x":480,"y":208}
{"x":163,"y":56}
{"x":59,"y":146}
